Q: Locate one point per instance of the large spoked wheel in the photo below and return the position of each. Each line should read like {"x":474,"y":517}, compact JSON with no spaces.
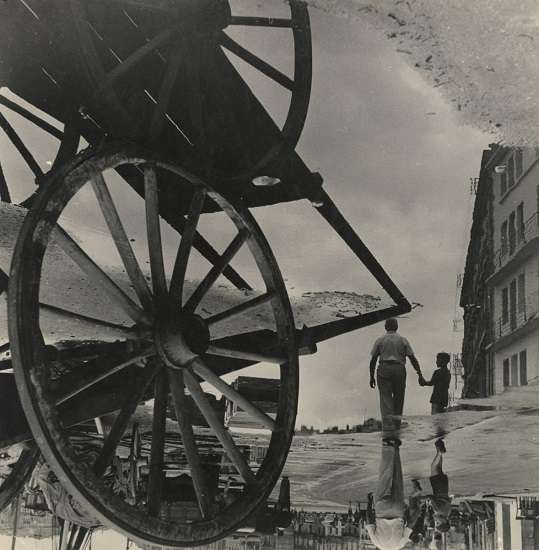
{"x":299,"y":85}
{"x":171,"y":361}
{"x":17,"y":463}
{"x":161,"y":106}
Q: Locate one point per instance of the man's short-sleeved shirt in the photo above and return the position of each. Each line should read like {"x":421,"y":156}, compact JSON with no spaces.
{"x":389,"y":534}
{"x":392,"y":347}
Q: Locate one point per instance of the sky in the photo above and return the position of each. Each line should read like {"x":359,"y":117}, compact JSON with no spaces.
{"x":397,"y":162}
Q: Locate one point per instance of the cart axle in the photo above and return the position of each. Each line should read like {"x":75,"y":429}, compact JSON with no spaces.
{"x":180,"y":338}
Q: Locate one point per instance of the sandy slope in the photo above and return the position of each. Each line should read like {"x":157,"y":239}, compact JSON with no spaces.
{"x":65,"y":286}
{"x":481,"y":55}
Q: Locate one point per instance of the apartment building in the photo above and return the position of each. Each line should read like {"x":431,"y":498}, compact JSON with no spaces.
{"x":501,"y":290}
{"x":514,"y":283}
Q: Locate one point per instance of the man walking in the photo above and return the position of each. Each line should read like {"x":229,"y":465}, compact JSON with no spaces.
{"x":389,"y":520}
{"x":440,"y":381}
{"x":391,"y":350}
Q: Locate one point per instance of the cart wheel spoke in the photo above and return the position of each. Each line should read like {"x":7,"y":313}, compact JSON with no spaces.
{"x":189,"y":443}
{"x":31,"y":117}
{"x":205,"y":248}
{"x":189,"y":230}
{"x":108,"y":368}
{"x":239,"y":309}
{"x":220,"y":431}
{"x":154,"y":234}
{"x":275,"y":22}
{"x":89,"y":351}
{"x":98,"y":276}
{"x":206,"y":283}
{"x":121,"y":330}
{"x":255,"y":61}
{"x":165,"y":92}
{"x":137,"y":56}
{"x":121,"y":422}
{"x":228,"y":391}
{"x":243,"y":354}
{"x":21,"y":147}
{"x":122,"y":243}
{"x":155,"y":480}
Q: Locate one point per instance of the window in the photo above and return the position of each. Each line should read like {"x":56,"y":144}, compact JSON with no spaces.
{"x":504,"y":237}
{"x":518,"y":163}
{"x":521,"y":284}
{"x":520,"y":222}
{"x":523,"y":359}
{"x":503,"y":183}
{"x":510,"y":172}
{"x":514,"y":370}
{"x":505,"y":373}
{"x":512,"y":233}
{"x":513,"y":304}
{"x":505,"y":305}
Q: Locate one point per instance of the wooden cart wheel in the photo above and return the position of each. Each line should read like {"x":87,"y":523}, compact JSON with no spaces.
{"x":299,"y":86}
{"x":175,"y":351}
{"x":12,"y":484}
{"x":68,"y":142}
{"x":130,"y":105}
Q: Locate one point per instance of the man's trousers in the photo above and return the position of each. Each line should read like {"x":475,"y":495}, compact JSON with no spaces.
{"x":389,"y":496}
{"x":391,"y":380}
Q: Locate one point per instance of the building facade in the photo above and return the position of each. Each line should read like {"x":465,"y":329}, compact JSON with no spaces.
{"x":501,"y":290}
{"x":475,"y":297}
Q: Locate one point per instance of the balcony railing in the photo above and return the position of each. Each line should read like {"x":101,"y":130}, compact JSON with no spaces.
{"x":528,"y":508}
{"x":525,"y":311}
{"x":522,"y":235}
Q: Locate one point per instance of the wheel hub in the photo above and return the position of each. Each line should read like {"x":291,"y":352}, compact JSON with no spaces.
{"x":180,"y":338}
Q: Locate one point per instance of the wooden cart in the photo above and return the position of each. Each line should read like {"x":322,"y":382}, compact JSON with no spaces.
{"x":148,"y":97}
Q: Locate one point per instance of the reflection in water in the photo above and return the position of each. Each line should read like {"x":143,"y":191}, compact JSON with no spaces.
{"x":395,"y":522}
{"x":506,"y":522}
{"x":421,"y":510}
